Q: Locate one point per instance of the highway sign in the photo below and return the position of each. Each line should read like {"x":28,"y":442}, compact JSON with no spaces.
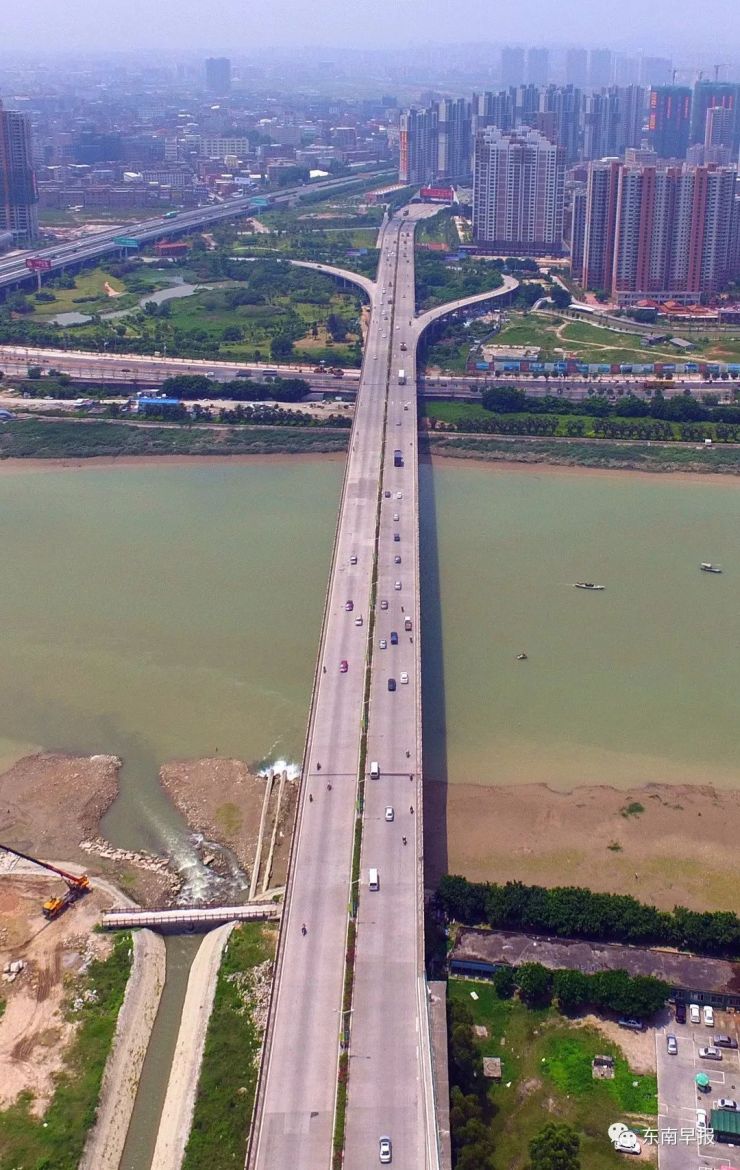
{"x":37,"y":264}
{"x":126,"y":242}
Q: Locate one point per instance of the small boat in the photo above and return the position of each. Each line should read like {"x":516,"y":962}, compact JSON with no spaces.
{"x":587,"y":585}
{"x":708,"y":567}
{"x":521,"y":657}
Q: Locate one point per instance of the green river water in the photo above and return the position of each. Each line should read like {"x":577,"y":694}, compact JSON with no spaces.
{"x":165,"y":611}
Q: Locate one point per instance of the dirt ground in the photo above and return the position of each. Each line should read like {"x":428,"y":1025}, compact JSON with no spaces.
{"x":33,"y":1031}
{"x":677,"y":845}
{"x":50,"y":802}
{"x":223,"y":800}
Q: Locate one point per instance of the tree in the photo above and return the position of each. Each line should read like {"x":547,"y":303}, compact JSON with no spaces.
{"x":535,"y":983}
{"x":560,"y":297}
{"x":281,"y":346}
{"x":555,"y":1147}
{"x":504,"y":399}
{"x":504,"y":981}
{"x":572,"y":989}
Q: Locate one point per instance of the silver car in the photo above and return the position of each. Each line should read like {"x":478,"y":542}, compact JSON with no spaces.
{"x":385,"y":1151}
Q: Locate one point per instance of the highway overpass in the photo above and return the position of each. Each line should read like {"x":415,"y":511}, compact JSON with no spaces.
{"x":13,"y":269}
{"x":367,"y":683}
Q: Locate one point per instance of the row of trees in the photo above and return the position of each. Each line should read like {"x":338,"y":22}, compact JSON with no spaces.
{"x":191,"y":386}
{"x":638,"y":996}
{"x":471,"y":1108}
{"x":573,"y":911}
{"x":682,"y":408}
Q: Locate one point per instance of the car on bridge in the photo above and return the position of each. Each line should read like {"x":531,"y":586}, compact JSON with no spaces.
{"x":385,"y":1151}
{"x":389,"y":813}
{"x":392,"y":687}
{"x":383,"y":644}
{"x":349,"y":606}
{"x":394,"y":638}
{"x":343,"y":666}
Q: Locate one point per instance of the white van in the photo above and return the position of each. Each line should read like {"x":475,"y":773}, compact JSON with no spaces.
{"x":373,"y":881}
{"x":694,"y":1013}
{"x":374,"y":770}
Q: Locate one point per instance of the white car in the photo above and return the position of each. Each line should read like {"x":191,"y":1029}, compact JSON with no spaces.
{"x":383,"y":644}
{"x":694,"y":1013}
{"x":358,"y":620}
{"x":701,"y":1119}
{"x":389,"y":813}
{"x":384,"y":604}
{"x":404,"y":676}
{"x":708,"y":1016}
{"x":396,"y":517}
{"x":385,"y":1153}
{"x":399,"y":495}
{"x":397,"y":585}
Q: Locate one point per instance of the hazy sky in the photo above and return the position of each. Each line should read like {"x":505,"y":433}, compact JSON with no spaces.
{"x":678,"y":26}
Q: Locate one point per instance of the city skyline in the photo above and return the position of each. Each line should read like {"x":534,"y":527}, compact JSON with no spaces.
{"x":136,"y":25}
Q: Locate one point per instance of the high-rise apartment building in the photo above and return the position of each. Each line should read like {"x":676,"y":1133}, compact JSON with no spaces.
{"x":518,"y":190}
{"x":719,"y":127}
{"x":669,"y":120}
{"x":656,"y":71}
{"x":218,"y":75}
{"x":493,"y":109}
{"x":600,"y":71}
{"x":454,"y":145}
{"x":538,"y":66}
{"x":577,"y":230}
{"x":708,"y":94}
{"x":664,"y":232}
{"x":512,"y":66}
{"x":435,"y":143}
{"x":600,"y":212}
{"x":576,"y":67}
{"x":18,"y":193}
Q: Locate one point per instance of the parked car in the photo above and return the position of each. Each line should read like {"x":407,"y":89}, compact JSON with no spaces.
{"x":680,"y":1012}
{"x":633,"y":1025}
{"x":694,"y":1013}
{"x":722,"y":1041}
{"x":710,"y":1053}
{"x":701,"y":1119}
{"x":726,"y":1103}
{"x":708,"y":1016}
{"x":672,"y":1045}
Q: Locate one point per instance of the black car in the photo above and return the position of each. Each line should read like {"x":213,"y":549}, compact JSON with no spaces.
{"x":391,"y":684}
{"x":394,"y":638}
{"x":680,"y":1013}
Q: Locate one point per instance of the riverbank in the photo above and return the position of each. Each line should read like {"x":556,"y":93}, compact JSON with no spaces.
{"x":669,"y":845}
{"x":65,"y":439}
{"x":622,"y":456}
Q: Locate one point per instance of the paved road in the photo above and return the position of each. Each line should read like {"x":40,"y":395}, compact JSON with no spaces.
{"x":295,"y":1123}
{"x":61,"y":255}
{"x":389,"y":1066}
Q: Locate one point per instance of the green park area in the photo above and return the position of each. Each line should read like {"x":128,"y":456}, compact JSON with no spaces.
{"x":557,"y":338}
{"x":546,"y":1077}
{"x":261,"y":311}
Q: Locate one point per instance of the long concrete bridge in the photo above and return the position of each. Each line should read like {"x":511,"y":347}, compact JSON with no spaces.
{"x":187,"y":918}
{"x":366,"y":710}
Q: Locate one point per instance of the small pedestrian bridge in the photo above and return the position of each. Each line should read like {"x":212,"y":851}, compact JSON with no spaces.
{"x":188,"y":919}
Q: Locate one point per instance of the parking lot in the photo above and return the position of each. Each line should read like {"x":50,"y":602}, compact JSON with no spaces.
{"x":679,"y":1097}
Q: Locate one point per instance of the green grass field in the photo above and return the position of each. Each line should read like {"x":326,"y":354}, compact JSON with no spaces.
{"x":546,"y":1076}
{"x":585,"y":342}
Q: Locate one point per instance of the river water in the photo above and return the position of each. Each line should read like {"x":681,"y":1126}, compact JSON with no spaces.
{"x":163,"y":611}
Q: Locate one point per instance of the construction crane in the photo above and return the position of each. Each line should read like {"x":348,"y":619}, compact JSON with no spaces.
{"x":77,"y":886}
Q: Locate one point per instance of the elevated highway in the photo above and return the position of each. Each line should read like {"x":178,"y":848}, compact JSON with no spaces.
{"x":368,"y":678}
{"x":13,"y":269}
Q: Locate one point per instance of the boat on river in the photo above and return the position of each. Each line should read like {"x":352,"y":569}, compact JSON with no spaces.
{"x":708,"y":567}
{"x":587,"y":585}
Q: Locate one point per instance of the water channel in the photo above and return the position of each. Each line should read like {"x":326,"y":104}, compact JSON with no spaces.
{"x":162,"y":611}
{"x":177,"y":290}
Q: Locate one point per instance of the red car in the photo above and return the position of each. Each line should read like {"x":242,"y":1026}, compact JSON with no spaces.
{"x":343,"y":666}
